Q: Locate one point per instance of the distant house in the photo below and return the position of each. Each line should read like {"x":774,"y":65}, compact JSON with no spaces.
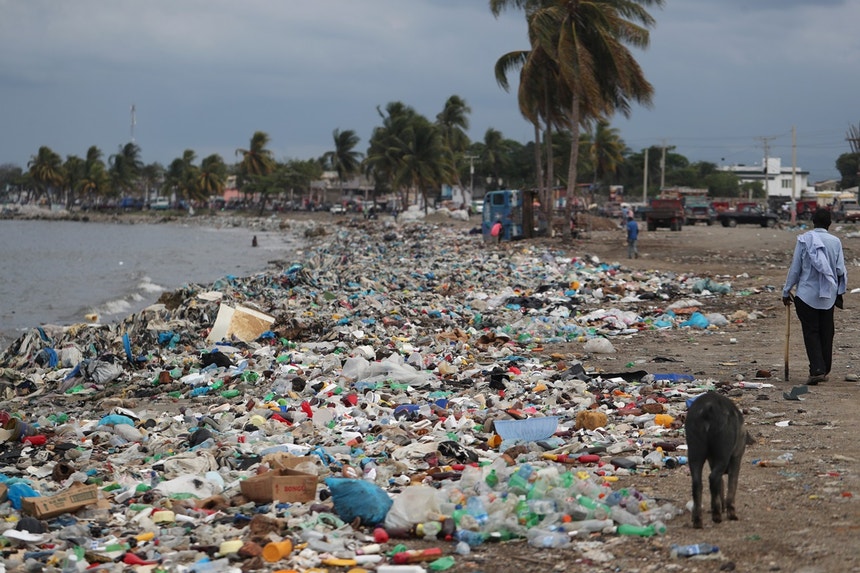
{"x":777,"y":180}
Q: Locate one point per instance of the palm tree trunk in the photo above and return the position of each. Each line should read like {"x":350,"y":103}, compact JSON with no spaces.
{"x":550,"y":171}
{"x":573,"y":120}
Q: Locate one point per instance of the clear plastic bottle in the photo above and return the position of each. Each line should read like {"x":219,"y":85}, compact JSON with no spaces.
{"x":475,"y":507}
{"x":546,"y":538}
{"x":696,"y":549}
{"x":473,"y":538}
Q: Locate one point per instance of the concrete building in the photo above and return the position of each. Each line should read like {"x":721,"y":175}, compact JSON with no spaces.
{"x":777,"y":179}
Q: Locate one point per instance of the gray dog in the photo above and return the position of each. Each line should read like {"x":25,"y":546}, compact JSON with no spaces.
{"x":715,"y":432}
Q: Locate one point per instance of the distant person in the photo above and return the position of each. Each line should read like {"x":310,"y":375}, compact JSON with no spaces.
{"x":818,"y":271}
{"x":496,"y":231}
{"x":632,"y":238}
{"x":254,"y":241}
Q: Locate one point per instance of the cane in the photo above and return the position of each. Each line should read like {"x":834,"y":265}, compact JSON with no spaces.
{"x":787,"y":336}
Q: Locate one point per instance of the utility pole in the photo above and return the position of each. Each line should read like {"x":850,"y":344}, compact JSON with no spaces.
{"x":645,"y":179}
{"x":766,"y":143}
{"x":471,"y":159}
{"x":663,"y":168}
{"x":793,"y":174}
{"x":133,"y":122}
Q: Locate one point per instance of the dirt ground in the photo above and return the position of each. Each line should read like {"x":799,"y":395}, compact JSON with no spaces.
{"x":799,"y":518}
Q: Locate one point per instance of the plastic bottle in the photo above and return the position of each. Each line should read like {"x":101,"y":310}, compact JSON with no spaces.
{"x":428,"y":530}
{"x":475,"y":508}
{"x":587,"y":526}
{"x":473,"y":538}
{"x":492,"y":479}
{"x":545,"y":538}
{"x":696,"y":549}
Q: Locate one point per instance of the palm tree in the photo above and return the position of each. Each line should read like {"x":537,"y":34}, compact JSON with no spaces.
{"x":74,"y":169}
{"x":606,"y":150}
{"x":211,"y":178}
{"x":344,"y":159}
{"x":425,"y":161}
{"x":494,"y":155}
{"x":46,"y":171}
{"x":588,"y":41}
{"x":387,"y":145}
{"x":95,"y":181}
{"x":453,"y":122}
{"x":257,"y":161}
{"x":182,"y":174}
{"x":125,"y":167}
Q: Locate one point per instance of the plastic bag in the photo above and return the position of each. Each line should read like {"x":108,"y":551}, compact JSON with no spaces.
{"x":358,"y":498}
{"x":696,"y":320}
{"x":415,"y":504}
{"x":599,"y":345}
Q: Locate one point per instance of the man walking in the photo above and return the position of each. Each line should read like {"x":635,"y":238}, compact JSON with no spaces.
{"x":818,"y":271}
{"x":632,"y":238}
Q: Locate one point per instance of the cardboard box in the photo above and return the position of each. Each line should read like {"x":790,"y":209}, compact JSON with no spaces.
{"x":69,"y":501}
{"x":283,"y":484}
{"x":246,"y":324}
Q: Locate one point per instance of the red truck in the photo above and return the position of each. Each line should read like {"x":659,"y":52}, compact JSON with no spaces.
{"x":665,"y":213}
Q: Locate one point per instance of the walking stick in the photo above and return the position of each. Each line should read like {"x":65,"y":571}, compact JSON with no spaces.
{"x":787,"y":336}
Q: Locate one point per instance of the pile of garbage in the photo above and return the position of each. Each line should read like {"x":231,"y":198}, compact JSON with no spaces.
{"x":383,"y":402}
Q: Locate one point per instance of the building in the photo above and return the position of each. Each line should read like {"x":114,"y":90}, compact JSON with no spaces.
{"x":777,"y":180}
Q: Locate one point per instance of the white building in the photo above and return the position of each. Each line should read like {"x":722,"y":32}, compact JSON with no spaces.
{"x":776,"y":179}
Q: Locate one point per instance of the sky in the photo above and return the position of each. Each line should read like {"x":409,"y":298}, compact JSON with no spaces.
{"x":732,"y":78}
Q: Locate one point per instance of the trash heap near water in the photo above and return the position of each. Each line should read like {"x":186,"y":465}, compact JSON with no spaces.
{"x":385,"y":401}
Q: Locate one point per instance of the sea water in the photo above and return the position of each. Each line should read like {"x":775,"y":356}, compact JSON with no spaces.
{"x":58,"y":272}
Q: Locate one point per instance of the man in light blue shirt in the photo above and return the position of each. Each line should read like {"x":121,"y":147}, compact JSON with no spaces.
{"x":632,"y":238}
{"x":818,"y":271}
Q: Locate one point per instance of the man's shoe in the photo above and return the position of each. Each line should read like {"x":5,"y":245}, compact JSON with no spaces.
{"x":815,"y":379}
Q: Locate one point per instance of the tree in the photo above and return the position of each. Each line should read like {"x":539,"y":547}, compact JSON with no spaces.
{"x":182,"y":175}
{"x":495,"y":157}
{"x":425,"y":161}
{"x":211,"y":178}
{"x":388,"y":144}
{"x":125,"y":167}
{"x":344,"y":159}
{"x":606,"y":150}
{"x":74,"y":170}
{"x":257,"y":161}
{"x":453,"y":123}
{"x":95,"y":182}
{"x":46,"y":171}
{"x":848,"y":165}
{"x":588,"y":39}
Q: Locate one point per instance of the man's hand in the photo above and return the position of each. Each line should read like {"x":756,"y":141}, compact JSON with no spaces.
{"x":786,"y":300}
{"x":839,"y":302}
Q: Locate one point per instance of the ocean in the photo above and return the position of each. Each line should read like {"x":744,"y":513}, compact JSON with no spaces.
{"x":58,"y":272}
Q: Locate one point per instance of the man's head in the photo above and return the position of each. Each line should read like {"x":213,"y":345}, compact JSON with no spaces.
{"x":630,"y":217}
{"x":821,"y":219}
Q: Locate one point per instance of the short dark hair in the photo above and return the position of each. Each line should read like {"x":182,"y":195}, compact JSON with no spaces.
{"x":821,"y":218}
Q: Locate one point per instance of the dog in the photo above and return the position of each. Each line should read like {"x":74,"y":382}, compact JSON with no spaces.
{"x":716,"y":433}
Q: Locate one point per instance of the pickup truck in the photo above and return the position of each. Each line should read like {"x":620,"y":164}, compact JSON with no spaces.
{"x":748,"y":215}
{"x":665,"y":213}
{"x":700,"y":214}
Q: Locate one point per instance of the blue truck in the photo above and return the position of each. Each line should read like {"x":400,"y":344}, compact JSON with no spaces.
{"x":514,"y":209}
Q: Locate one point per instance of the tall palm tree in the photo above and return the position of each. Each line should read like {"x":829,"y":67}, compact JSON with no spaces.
{"x":74,"y":170}
{"x":182,"y":174}
{"x":425,"y":161}
{"x":453,"y":122}
{"x":344,"y":159}
{"x":46,"y":171}
{"x":211,"y":178}
{"x":387,"y":145}
{"x":257,"y":161}
{"x":125,"y":167}
{"x":95,"y":181}
{"x":588,"y":41}
{"x":606,"y":150}
{"x":494,"y":155}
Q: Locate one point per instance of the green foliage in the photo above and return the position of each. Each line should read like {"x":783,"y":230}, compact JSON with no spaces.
{"x":848,"y":165}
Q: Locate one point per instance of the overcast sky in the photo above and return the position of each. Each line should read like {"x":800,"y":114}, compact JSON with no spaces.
{"x":728,"y":75}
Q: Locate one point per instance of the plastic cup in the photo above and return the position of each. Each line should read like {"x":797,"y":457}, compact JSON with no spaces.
{"x":277,"y":550}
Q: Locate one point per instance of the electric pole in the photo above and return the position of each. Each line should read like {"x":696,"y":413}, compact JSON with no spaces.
{"x":766,"y":143}
{"x":663,"y":167}
{"x":133,"y":122}
{"x":645,"y":179}
{"x":471,"y":159}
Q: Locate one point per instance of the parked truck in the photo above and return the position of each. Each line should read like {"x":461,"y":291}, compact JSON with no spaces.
{"x":667,"y":213}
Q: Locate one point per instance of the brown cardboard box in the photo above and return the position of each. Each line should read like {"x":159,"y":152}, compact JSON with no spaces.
{"x":71,"y":500}
{"x":282,"y":484}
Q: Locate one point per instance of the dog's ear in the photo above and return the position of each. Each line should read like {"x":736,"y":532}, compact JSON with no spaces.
{"x":750,"y":439}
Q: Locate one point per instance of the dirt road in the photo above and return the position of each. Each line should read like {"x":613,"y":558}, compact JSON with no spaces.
{"x":803,"y":517}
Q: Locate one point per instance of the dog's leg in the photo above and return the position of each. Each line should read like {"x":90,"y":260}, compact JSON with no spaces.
{"x":718,"y":493}
{"x":734,"y":473}
{"x":696,"y":466}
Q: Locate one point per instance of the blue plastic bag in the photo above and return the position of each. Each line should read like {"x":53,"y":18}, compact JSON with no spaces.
{"x":18,"y":491}
{"x":358,"y":498}
{"x":696,"y":320}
